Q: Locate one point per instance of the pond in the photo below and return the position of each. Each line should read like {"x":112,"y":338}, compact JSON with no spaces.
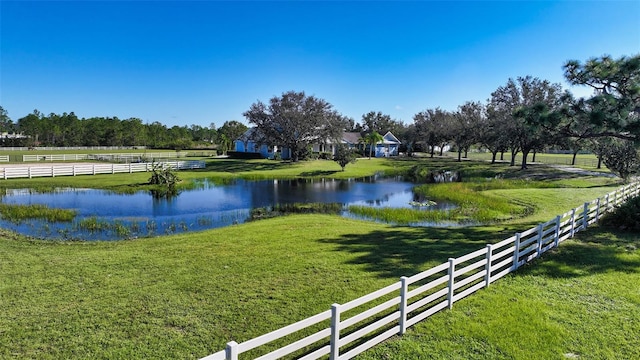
{"x":105,"y":215}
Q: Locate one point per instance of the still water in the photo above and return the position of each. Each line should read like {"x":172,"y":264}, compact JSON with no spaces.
{"x":105,"y":215}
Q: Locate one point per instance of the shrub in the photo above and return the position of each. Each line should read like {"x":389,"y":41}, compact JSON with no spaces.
{"x":625,"y":216}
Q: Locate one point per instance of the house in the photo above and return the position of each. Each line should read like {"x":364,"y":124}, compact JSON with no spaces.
{"x":390,"y":146}
{"x":252,"y":141}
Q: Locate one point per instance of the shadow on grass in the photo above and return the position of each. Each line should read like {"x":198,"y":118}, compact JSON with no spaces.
{"x":398,"y":252}
{"x":596,"y":250}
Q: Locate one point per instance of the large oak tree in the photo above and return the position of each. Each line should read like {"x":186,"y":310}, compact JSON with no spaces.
{"x":296,"y":121}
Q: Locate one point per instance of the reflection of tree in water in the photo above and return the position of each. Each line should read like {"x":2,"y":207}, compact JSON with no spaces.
{"x":164,"y":193}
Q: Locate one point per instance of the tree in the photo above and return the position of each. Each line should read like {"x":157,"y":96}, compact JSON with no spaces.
{"x":614,"y":109}
{"x":520,"y":105}
{"x":295,"y":120}
{"x":432,"y":128}
{"x":372,"y":138}
{"x":621,"y":157}
{"x":490,"y":133}
{"x":30,"y":126}
{"x":232,"y":129}
{"x":465,"y":123}
{"x":6,"y":125}
{"x":344,"y":156}
{"x":381,"y":123}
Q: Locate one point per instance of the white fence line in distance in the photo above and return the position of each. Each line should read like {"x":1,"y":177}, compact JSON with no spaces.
{"x":347,"y":330}
{"x":92,"y":169}
{"x":118,"y":157}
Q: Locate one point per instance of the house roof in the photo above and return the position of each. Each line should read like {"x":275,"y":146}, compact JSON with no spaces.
{"x":390,"y":139}
{"x":351,"y":137}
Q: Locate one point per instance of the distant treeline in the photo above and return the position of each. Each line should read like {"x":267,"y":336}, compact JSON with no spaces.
{"x":37,"y":129}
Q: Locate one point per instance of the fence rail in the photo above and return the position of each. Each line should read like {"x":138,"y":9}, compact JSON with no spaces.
{"x":91,"y":169}
{"x":391,"y":310}
{"x":48,"y":148}
{"x":119,"y":157}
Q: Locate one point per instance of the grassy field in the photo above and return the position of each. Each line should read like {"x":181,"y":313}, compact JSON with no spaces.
{"x":585,"y":161}
{"x":185,"y":296}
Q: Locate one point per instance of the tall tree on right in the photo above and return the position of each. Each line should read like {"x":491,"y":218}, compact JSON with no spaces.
{"x":614,"y":109}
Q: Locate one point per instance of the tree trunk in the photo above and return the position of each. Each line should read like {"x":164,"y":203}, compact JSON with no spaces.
{"x":433,"y":150}
{"x":466,"y":153}
{"x":493,"y":156}
{"x":441,"y":149}
{"x":513,"y":158}
{"x":459,"y":155}
{"x":501,"y":155}
{"x":573,"y":160}
{"x":599,"y":162}
{"x":534,"y":156}
{"x":525,"y":153}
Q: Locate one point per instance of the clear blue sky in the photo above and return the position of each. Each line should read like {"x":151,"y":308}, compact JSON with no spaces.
{"x":203,"y":62}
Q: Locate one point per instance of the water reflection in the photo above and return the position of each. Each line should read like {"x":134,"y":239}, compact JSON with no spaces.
{"x":106,"y":215}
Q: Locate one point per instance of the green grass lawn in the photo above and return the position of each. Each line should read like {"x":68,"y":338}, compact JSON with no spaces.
{"x":585,"y":161}
{"x":185,"y":296}
{"x":581,"y":301}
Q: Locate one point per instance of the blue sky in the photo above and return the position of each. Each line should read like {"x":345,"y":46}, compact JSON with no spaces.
{"x":203,"y":62}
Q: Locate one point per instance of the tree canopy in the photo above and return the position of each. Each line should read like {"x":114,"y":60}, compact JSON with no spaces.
{"x":614,"y":108}
{"x":296,"y":120}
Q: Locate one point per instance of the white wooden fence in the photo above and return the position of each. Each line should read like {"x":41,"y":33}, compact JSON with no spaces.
{"x":389,"y":311}
{"x":4,"y":158}
{"x":126,"y":157}
{"x":48,"y":148}
{"x":91,"y":169}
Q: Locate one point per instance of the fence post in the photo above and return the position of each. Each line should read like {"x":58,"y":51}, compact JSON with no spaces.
{"x":573,"y":222}
{"x":452,"y":270}
{"x":130,"y":168}
{"x":487,"y":266}
{"x":74,"y":170}
{"x":539,"y":241}
{"x":606,"y":206}
{"x":112,"y":169}
{"x":404,"y":289}
{"x":29,"y":171}
{"x":231,"y":351}
{"x":516,"y":252}
{"x":597,"y":209}
{"x":94,"y":169}
{"x":335,"y":332}
{"x":585,"y":216}
{"x":556,"y":238}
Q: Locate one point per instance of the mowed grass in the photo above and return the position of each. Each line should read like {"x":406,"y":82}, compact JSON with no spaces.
{"x":186,"y":296}
{"x":581,"y":301}
{"x":586,"y":161}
